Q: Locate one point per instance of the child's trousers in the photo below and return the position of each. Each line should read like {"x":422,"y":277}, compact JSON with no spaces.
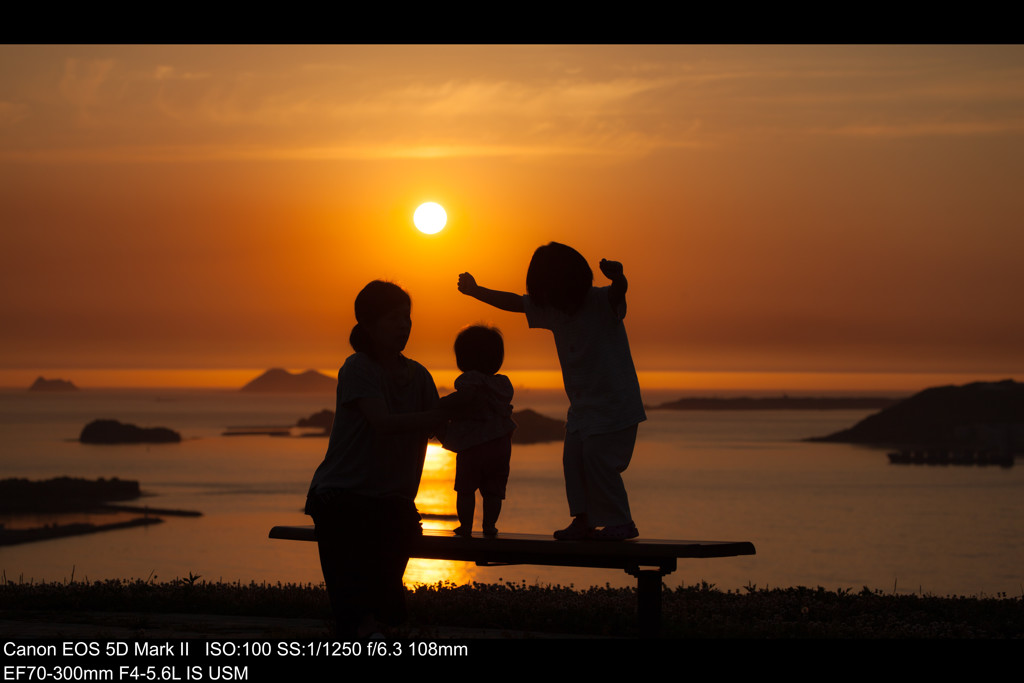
{"x":593,"y":469}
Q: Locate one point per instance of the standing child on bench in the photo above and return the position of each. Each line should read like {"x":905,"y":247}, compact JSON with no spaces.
{"x":605,"y":406}
{"x":481,"y":436}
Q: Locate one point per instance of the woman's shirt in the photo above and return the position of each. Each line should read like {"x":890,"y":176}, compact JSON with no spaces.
{"x":364,"y":461}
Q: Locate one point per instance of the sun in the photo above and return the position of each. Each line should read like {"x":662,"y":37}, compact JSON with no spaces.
{"x":430,"y":218}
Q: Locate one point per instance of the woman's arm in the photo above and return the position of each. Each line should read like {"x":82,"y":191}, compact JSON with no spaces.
{"x":506,"y":301}
{"x":459,"y":400}
{"x":375,"y":410}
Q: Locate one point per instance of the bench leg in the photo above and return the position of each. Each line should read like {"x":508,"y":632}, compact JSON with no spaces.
{"x":648,"y":596}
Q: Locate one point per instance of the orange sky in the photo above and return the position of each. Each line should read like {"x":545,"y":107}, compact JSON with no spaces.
{"x":844,"y":209}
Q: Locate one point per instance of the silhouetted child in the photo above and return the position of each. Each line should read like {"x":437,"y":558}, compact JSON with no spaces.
{"x":605,"y":406}
{"x":481,"y":436}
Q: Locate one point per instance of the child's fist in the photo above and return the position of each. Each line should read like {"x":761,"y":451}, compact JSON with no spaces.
{"x":467,"y":284}
{"x":611,"y":269}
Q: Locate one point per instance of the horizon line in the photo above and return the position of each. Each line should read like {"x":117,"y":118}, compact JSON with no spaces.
{"x":704,"y":380}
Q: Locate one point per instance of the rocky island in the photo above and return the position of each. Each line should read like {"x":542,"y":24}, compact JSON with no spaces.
{"x":980,"y":415}
{"x":63,"y":493}
{"x":280,"y":381}
{"x":52,"y":385}
{"x":532,"y":427}
{"x":112,"y":431}
{"x":68,"y":495}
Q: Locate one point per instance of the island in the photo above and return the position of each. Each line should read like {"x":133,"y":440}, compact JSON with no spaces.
{"x":280,"y":381}
{"x":52,"y":385}
{"x":976,"y":416}
{"x":70,"y":495}
{"x":113,"y":432}
{"x":323,"y":420}
{"x":532,"y":427}
{"x":63,"y":494}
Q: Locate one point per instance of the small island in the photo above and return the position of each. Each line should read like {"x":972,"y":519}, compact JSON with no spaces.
{"x":113,"y":432}
{"x":532,"y":427}
{"x":52,"y":385}
{"x":280,"y":381}
{"x":323,"y":420}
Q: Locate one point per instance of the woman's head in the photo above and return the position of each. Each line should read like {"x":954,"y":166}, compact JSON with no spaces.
{"x":480,"y":348}
{"x":559,"y":277}
{"x":382,"y":318}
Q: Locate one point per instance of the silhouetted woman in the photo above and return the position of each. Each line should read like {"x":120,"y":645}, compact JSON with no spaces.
{"x":362,"y":494}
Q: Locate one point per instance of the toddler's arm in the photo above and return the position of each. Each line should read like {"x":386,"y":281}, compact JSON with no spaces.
{"x":613,"y":271}
{"x":506,"y":301}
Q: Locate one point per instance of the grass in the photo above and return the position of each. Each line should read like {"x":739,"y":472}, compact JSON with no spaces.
{"x":700,"y":611}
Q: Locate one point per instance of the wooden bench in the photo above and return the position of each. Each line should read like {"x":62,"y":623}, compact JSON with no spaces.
{"x":646,"y":559}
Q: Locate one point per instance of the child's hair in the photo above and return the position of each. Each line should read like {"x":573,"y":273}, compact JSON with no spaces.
{"x":559,"y":277}
{"x":480,"y":348}
{"x":374,"y":301}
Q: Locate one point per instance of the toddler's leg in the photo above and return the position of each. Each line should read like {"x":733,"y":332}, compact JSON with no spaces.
{"x":605,"y":457}
{"x":465,"y":507}
{"x":492,"y":508}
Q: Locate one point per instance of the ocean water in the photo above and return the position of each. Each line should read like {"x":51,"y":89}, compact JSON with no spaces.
{"x":830,"y":515}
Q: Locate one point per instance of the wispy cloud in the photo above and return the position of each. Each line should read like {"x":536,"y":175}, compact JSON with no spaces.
{"x":616,"y":102}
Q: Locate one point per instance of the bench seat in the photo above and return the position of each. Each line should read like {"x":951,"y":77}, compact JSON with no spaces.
{"x":646,"y":559}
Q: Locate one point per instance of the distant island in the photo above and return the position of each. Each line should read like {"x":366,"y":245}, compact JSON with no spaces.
{"x":531,"y":426}
{"x":977,"y":415}
{"x":112,"y":431}
{"x":70,"y":495}
{"x":323,"y":420}
{"x":280,"y":381}
{"x":777,"y":403}
{"x":63,"y":493}
{"x":53,"y":385}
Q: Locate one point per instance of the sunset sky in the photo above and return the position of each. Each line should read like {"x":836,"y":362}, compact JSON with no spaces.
{"x":779,"y":209}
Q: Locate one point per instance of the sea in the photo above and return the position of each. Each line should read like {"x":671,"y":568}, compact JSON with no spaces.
{"x":836,"y":516}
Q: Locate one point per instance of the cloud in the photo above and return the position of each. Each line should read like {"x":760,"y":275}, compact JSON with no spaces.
{"x":82,"y":80}
{"x":931,"y":129}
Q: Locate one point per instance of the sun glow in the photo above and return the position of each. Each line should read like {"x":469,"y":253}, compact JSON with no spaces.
{"x":430,"y":218}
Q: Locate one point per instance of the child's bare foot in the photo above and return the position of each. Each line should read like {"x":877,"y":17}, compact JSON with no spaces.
{"x":490,"y":531}
{"x":462,"y":531}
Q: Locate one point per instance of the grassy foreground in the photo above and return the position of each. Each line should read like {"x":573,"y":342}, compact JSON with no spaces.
{"x":688,"y":612}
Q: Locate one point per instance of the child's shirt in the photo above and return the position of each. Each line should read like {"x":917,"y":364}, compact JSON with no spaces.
{"x":491,"y":414}
{"x":597,"y":367}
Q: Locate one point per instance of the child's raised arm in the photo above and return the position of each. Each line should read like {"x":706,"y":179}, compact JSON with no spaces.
{"x":613,"y":271}
{"x":506,"y":301}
